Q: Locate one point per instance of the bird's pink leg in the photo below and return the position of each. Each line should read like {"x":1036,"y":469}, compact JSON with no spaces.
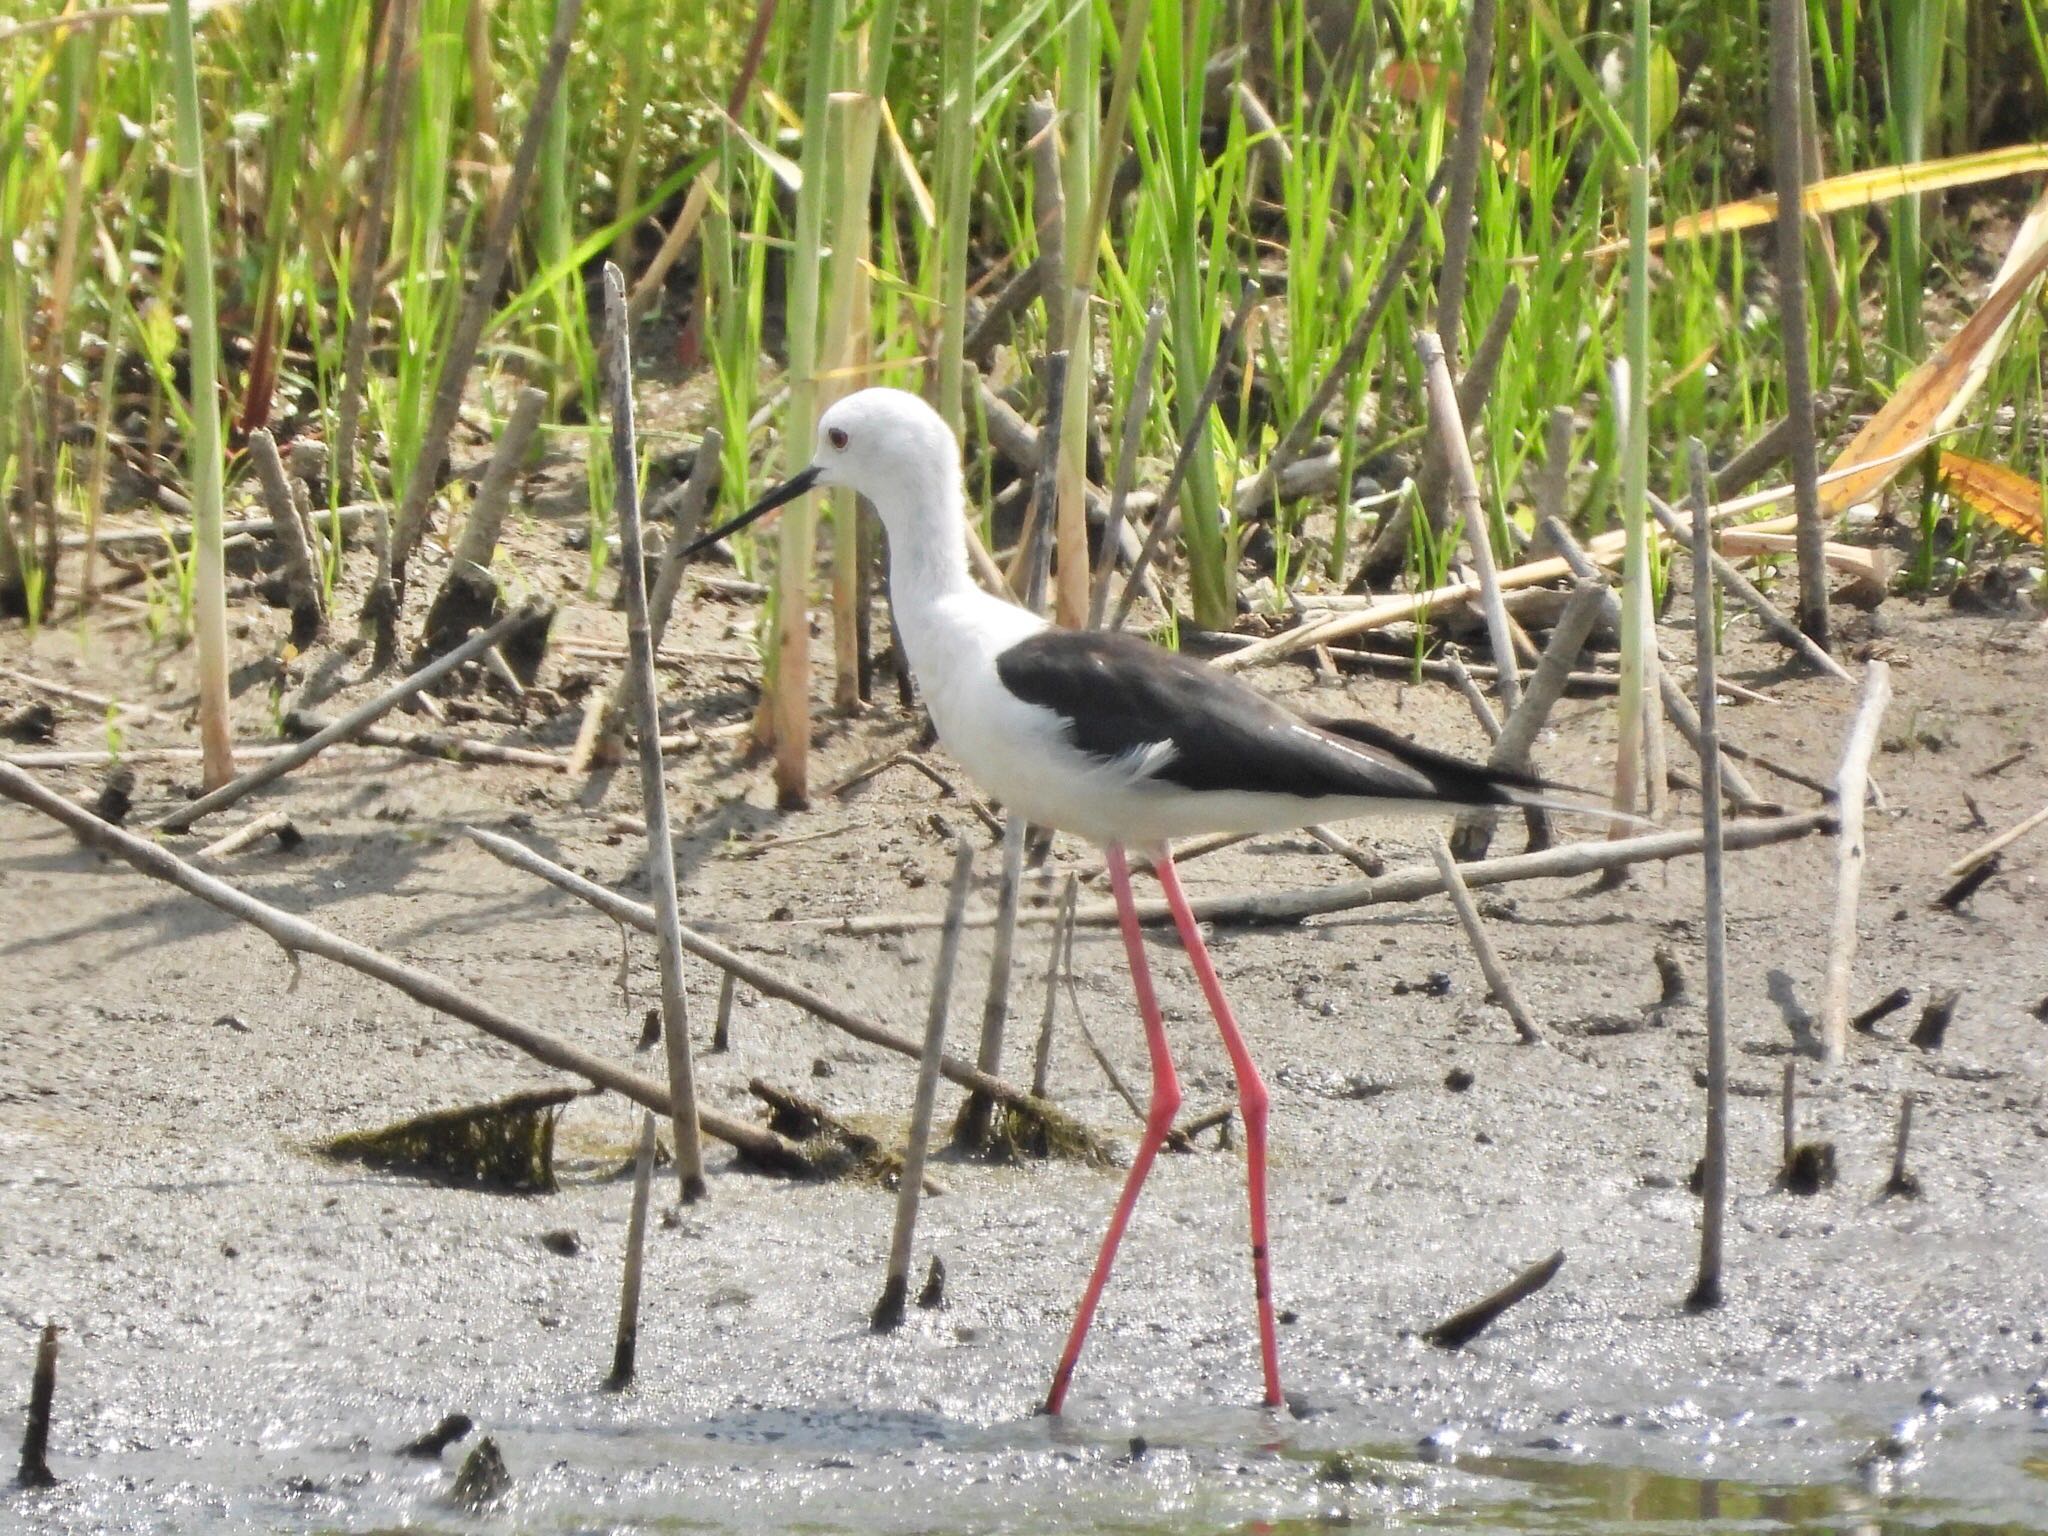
{"x":1252,"y":1102}
{"x":1158,"y":1121}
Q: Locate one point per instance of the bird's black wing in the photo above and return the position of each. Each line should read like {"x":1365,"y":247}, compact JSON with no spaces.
{"x":1120,"y":695}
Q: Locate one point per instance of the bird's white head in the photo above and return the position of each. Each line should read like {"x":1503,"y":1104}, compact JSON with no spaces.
{"x":888,"y":446}
{"x":882,"y":443}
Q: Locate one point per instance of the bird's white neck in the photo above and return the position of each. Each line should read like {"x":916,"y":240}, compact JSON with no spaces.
{"x":927,"y":543}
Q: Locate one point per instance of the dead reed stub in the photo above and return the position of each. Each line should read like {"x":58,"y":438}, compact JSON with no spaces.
{"x":1972,"y":880}
{"x":1852,"y":780}
{"x":33,"y":722}
{"x":1463,"y":1326}
{"x":626,"y":1343}
{"x":1867,"y":1021}
{"x":1807,"y":1167}
{"x":484,"y":1478}
{"x":507,"y":1145}
{"x":933,"y":1295}
{"x":116,"y":797}
{"x":428,"y":1447}
{"x":35,"y":1470}
{"x":1902,"y":1185}
{"x":1940,"y":1011}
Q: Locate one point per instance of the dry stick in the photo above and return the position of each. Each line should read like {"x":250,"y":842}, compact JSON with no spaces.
{"x":367,"y":257}
{"x":1136,"y":406}
{"x":661,"y":854}
{"x":888,"y":1313}
{"x":1464,"y":174}
{"x":977,"y":1114}
{"x":1390,"y":545}
{"x":1294,"y":442}
{"x":1851,"y":781}
{"x":301,"y":587}
{"x":1546,"y":686}
{"x":624,"y":910}
{"x":1413,"y":882}
{"x":1359,"y":858}
{"x":1062,"y":944}
{"x":1989,"y":850}
{"x":1461,"y":679}
{"x":627,"y":1343}
{"x":1788,"y":1114}
{"x":1753,"y":599}
{"x":1677,"y":707}
{"x":469,"y":591}
{"x":601,"y":743}
{"x":250,"y":752}
{"x":440,"y":745}
{"x":1788,"y":171}
{"x":1706,"y":1291}
{"x":179,"y":538}
{"x":1462,"y":1327}
{"x":349,"y":724}
{"x":1496,"y":974}
{"x":482,"y":294}
{"x":1197,"y":434}
{"x":297,"y":936}
{"x":271,"y":824}
{"x":35,"y":1441}
{"x":1449,"y":428}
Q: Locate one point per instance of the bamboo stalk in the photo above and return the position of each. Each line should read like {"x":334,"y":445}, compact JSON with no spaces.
{"x":1449,"y":428}
{"x":661,"y":866}
{"x":1062,"y":945}
{"x":469,"y":591}
{"x":1706,"y":1291}
{"x":1995,"y":846}
{"x":195,"y":232}
{"x":888,"y":1313}
{"x":1851,"y":781}
{"x":623,"y":910}
{"x":1412,"y":882}
{"x":626,"y":1345}
{"x":363,"y":714}
{"x":1788,"y":171}
{"x":1546,"y":686}
{"x":972,"y":1128}
{"x":297,"y":936}
{"x":1497,"y":977}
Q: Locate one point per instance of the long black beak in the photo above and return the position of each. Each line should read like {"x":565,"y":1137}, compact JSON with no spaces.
{"x":783,"y":494}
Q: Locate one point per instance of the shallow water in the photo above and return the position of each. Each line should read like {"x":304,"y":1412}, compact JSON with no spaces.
{"x":603,"y":1463}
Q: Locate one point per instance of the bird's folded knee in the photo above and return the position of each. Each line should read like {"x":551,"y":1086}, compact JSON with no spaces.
{"x":1159,"y":1115}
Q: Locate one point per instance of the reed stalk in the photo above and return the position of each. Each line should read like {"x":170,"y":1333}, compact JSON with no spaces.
{"x":195,"y":225}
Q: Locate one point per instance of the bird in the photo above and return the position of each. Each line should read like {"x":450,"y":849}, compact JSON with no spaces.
{"x":1111,"y":738}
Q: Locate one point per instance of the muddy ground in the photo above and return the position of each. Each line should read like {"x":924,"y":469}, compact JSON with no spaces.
{"x":252,"y":1330}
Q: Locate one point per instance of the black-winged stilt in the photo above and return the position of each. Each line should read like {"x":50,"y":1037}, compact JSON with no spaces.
{"x":1109,"y":737}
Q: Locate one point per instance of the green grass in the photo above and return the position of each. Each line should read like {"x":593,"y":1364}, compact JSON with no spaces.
{"x":91,"y":316}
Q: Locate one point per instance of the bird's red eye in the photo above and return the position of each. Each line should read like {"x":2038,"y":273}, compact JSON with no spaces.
{"x":837,"y":437}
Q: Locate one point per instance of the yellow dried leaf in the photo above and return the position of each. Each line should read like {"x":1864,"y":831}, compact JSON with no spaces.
{"x":2004,"y":495}
{"x":1852,"y":189}
{"x":1918,"y":404}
